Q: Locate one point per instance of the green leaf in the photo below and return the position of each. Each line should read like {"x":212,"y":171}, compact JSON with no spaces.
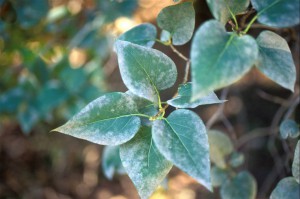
{"x":165,"y":36}
{"x":50,"y":96}
{"x":221,"y":8}
{"x":73,"y":79}
{"x":219,"y":58}
{"x":182,"y":139}
{"x":183,"y":99}
{"x":112,"y":119}
{"x":144,"y":35}
{"x":289,"y":128}
{"x":143,"y":162}
{"x":179,"y":20}
{"x":28,"y":117}
{"x":144,"y":107}
{"x":218,"y":176}
{"x":296,"y":163}
{"x":220,"y":146}
{"x":275,"y":59}
{"x":145,"y":71}
{"x":236,"y":159}
{"x":242,"y":186}
{"x":287,"y":188}
{"x":115,"y":8}
{"x":111,"y":162}
{"x":30,"y":12}
{"x":277,"y":13}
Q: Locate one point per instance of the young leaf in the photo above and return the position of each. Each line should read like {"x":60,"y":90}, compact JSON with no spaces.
{"x":218,"y":176}
{"x":145,"y":71}
{"x":277,"y":13}
{"x":220,"y":146}
{"x":242,"y":186}
{"x":145,"y":107}
{"x":179,"y":21}
{"x":143,"y":162}
{"x":296,"y":163}
{"x":112,"y":119}
{"x":221,"y":8}
{"x":219,"y":58}
{"x":183,"y":99}
{"x":289,"y":128}
{"x":236,"y":159}
{"x":275,"y":59}
{"x":144,"y":35}
{"x":111,"y":162}
{"x":287,"y":188}
{"x":182,"y":139}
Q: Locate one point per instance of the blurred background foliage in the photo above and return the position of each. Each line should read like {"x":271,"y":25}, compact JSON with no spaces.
{"x":57,"y":55}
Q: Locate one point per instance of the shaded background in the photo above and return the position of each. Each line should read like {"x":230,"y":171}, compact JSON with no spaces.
{"x":57,"y":55}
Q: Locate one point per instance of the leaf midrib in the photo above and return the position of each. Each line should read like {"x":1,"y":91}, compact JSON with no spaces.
{"x":191,"y":157}
{"x":93,"y":122}
{"x":149,"y":78}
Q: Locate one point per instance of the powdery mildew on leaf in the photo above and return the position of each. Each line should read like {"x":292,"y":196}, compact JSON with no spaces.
{"x":242,"y":186}
{"x":109,"y":120}
{"x":287,"y":188}
{"x":220,"y":8}
{"x":278,"y":13}
{"x":145,"y":71}
{"x":296,"y":163}
{"x":219,"y":58}
{"x":183,"y":99}
{"x":179,"y":21}
{"x":275,"y":59}
{"x":143,"y":162}
{"x":143,"y":34}
{"x":145,"y":107}
{"x":182,"y":139}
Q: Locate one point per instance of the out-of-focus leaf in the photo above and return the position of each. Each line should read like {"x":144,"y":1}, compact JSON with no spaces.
{"x":218,"y":176}
{"x":296,"y":163}
{"x":111,"y":162}
{"x":289,"y":128}
{"x":287,"y":188}
{"x":30,"y":12}
{"x":236,"y":159}
{"x":115,"y":8}
{"x":278,"y":13}
{"x":220,"y":146}
{"x":242,"y":186}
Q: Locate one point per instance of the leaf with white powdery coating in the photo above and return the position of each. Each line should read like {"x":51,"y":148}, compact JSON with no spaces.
{"x":221,"y":8}
{"x":275,"y":59}
{"x":144,"y":164}
{"x":143,"y":34}
{"x":219,"y":58}
{"x":182,"y":139}
{"x":145,"y":71}
{"x":112,"y":119}
{"x":179,"y":21}
{"x":242,"y":186}
{"x":287,"y":188}
{"x":277,"y":13}
{"x":145,"y":107}
{"x":183,"y":99}
{"x":296,"y":163}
